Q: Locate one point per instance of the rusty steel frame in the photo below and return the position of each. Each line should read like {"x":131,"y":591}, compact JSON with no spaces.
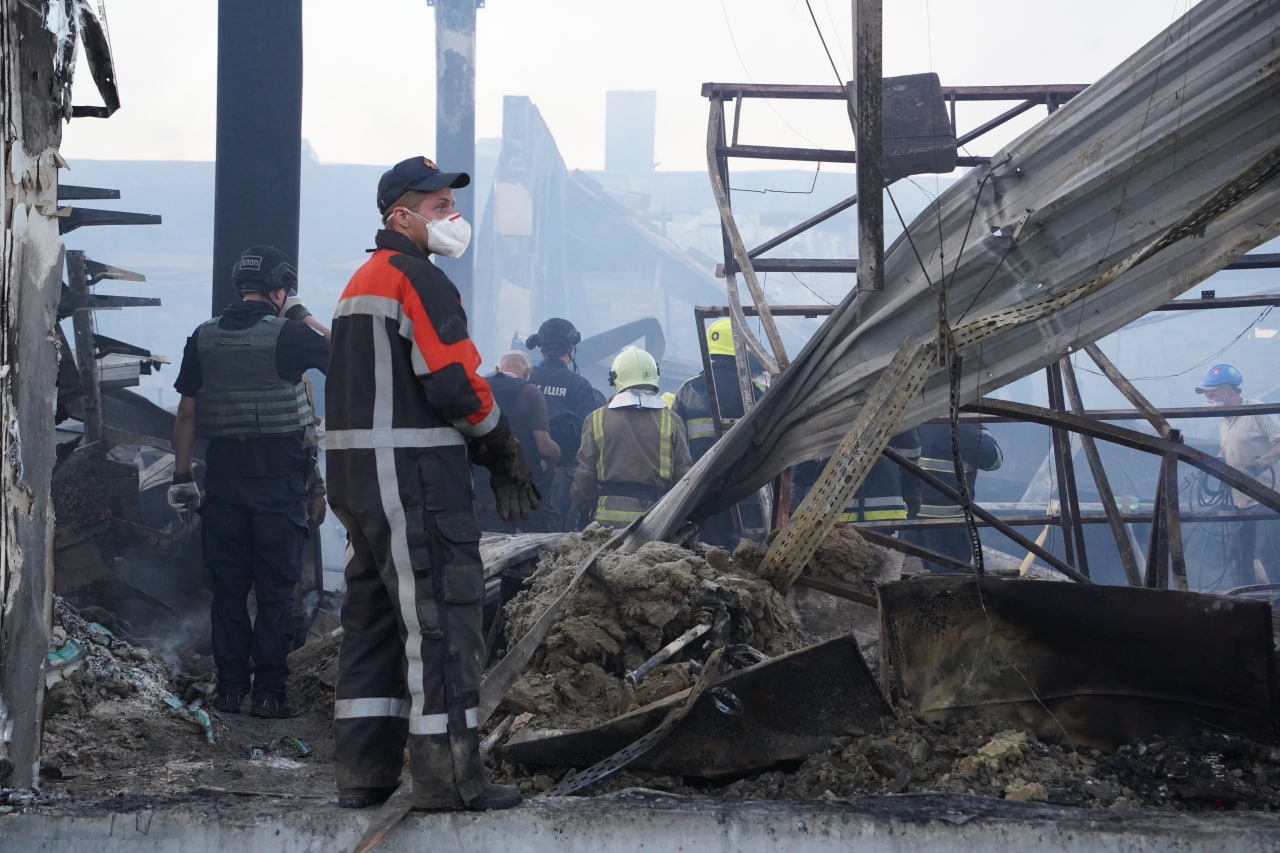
{"x":1027,"y":96}
{"x":1066,"y":415}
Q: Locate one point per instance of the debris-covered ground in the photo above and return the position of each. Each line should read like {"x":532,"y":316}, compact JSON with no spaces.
{"x":631,"y":606}
{"x":124,"y":725}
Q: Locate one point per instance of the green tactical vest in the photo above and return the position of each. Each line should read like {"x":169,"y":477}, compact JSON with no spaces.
{"x":242,"y":395}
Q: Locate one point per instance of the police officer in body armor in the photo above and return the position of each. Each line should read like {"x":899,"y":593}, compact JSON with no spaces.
{"x":633,"y":449}
{"x":242,"y":390}
{"x":570,"y":400}
{"x":694,"y":405}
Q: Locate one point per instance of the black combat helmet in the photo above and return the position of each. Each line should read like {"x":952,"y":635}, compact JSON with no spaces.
{"x":264,"y":269}
{"x":554,"y":337}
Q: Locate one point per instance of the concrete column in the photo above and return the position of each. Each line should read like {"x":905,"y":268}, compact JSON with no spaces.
{"x":259,"y":148}
{"x":456,"y":121}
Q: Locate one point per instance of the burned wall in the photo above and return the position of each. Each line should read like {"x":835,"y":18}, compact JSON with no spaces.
{"x":34,"y":77}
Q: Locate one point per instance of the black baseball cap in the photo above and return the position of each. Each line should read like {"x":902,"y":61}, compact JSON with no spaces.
{"x":416,"y":173}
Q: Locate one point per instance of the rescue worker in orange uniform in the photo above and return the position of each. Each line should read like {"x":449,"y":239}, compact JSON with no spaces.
{"x":408,"y":413}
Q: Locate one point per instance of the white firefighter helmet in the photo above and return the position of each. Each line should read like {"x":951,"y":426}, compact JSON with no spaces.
{"x":631,"y":368}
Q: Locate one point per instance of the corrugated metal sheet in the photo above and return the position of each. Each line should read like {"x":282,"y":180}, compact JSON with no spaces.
{"x":1172,"y":129}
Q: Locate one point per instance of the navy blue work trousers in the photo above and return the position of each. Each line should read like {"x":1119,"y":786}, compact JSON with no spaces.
{"x":249,"y":549}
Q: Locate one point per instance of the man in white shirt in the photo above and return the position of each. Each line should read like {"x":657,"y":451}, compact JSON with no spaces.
{"x":1252,"y":444}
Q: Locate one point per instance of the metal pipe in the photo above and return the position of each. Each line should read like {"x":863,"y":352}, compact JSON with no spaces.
{"x":1157,"y":572}
{"x":1233,"y":477}
{"x":1127,"y":388}
{"x":1040,"y":519}
{"x":1173,"y":521}
{"x":638,"y":674}
{"x":717,"y":169}
{"x":1058,"y":93}
{"x":867,"y":94}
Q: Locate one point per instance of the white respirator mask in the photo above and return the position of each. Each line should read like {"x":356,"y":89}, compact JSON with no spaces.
{"x":448,"y":237}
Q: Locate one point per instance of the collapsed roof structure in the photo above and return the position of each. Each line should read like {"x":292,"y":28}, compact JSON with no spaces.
{"x":1158,"y":175}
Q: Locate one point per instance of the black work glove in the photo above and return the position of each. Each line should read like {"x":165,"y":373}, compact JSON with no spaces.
{"x":511,"y":480}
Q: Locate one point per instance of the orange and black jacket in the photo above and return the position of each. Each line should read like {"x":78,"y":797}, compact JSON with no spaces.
{"x":403,"y":372}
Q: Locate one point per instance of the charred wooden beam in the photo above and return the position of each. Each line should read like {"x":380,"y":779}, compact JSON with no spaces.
{"x":70,"y":192}
{"x":71,"y":218}
{"x":86,"y":356}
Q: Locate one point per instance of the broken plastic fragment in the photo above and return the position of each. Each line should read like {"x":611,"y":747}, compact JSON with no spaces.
{"x":101,"y":635}
{"x":193,"y":713}
{"x":62,"y":661}
{"x":294,"y":746}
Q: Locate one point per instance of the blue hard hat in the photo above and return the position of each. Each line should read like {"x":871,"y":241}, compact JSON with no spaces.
{"x":1220,"y":374}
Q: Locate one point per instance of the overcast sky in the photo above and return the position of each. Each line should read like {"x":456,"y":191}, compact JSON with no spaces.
{"x":370,"y":67}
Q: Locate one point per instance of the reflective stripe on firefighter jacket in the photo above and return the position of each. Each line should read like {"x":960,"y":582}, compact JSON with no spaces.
{"x":242,"y":395}
{"x":978,"y":451}
{"x":629,"y":458}
{"x":882,"y":495}
{"x":885,"y":495}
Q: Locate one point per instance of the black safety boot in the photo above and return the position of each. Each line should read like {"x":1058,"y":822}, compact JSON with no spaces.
{"x":436,"y":786}
{"x":228,"y":702}
{"x":274,"y":707}
{"x":496,"y":797}
{"x":431,"y":766}
{"x":491,"y":798}
{"x":360,"y":798}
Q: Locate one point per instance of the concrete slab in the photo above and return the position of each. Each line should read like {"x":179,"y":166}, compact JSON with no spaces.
{"x":647,"y":821}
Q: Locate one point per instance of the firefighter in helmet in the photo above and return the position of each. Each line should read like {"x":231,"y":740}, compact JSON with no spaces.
{"x":693,"y":404}
{"x":633,"y":448}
